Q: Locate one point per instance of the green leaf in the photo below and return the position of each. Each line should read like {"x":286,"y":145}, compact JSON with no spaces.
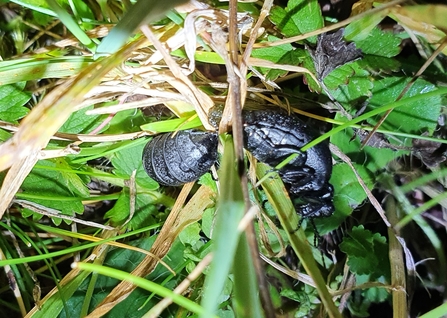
{"x":40,"y":67}
{"x":143,"y":11}
{"x":140,"y":299}
{"x":294,"y":57}
{"x":309,"y":64}
{"x":279,"y":16}
{"x":49,"y":188}
{"x":416,"y":117}
{"x":72,"y":25}
{"x":145,"y":208}
{"x":361,"y":246}
{"x":379,"y":64}
{"x":272,"y":53}
{"x":350,"y":81}
{"x":374,"y":295}
{"x":360,"y":29}
{"x":371,"y":158}
{"x":120,"y":123}
{"x":299,"y":17}
{"x":246,"y":289}
{"x":380,"y":43}
{"x":78,"y":183}
{"x":129,"y":159}
{"x":79,"y":122}
{"x":281,"y":54}
{"x":120,"y":210}
{"x":190,"y":235}
{"x":12,"y":99}
{"x":41,"y":6}
{"x":208,"y":221}
{"x":41,"y":19}
{"x":4,"y":135}
{"x":208,"y":181}
{"x":173,"y":124}
{"x":348,"y":195}
{"x":225,"y":234}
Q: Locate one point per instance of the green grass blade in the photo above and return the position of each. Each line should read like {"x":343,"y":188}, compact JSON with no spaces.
{"x":39,"y":68}
{"x":71,"y":24}
{"x":143,"y":283}
{"x":287,"y":216}
{"x":143,"y":11}
{"x":230,"y":210}
{"x":246,"y":291}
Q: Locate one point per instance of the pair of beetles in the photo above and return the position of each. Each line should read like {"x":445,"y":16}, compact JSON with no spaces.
{"x":271,"y":137}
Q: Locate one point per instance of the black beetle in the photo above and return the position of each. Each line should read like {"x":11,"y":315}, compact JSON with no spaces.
{"x":272,"y":137}
{"x":173,"y":160}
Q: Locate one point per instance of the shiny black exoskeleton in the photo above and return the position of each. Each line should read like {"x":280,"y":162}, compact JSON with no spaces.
{"x":173,"y":160}
{"x":272,"y":137}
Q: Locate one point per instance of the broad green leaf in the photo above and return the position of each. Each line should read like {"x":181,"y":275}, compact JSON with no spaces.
{"x":305,"y":296}
{"x":309,"y":64}
{"x":416,"y":117}
{"x":294,"y":57}
{"x":380,"y":43}
{"x":350,"y":83}
{"x":360,"y":246}
{"x":348,"y":195}
{"x":273,"y":53}
{"x":281,"y":18}
{"x":374,"y":295}
{"x":190,"y":235}
{"x":4,"y":135}
{"x":208,"y":181}
{"x":12,"y":100}
{"x":41,"y":18}
{"x":78,"y":183}
{"x":127,"y":160}
{"x":208,"y":222}
{"x":145,"y":208}
{"x":281,"y":54}
{"x":50,"y":189}
{"x":379,"y":64}
{"x":120,"y":123}
{"x":299,"y":17}
{"x":371,"y":158}
{"x":79,"y":122}
{"x":120,"y":210}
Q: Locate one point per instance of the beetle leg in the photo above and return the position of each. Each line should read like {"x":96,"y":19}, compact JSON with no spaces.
{"x":314,"y":204}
